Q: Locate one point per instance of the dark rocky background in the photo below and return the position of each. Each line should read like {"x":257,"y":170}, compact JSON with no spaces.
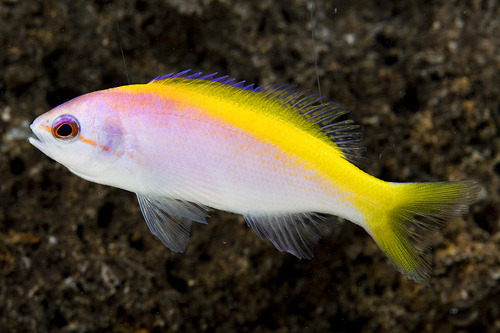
{"x":423,"y":79}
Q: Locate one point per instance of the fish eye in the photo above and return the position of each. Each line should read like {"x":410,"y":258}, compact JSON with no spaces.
{"x":65,"y":128}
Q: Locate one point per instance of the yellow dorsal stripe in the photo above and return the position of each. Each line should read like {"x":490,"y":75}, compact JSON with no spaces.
{"x":267,"y":120}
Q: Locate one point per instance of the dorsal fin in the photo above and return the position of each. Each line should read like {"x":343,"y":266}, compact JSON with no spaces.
{"x":209,"y":77}
{"x":310,"y":106}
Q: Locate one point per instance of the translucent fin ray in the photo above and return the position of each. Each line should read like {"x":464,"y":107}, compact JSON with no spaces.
{"x":293,"y":233}
{"x":170,"y":219}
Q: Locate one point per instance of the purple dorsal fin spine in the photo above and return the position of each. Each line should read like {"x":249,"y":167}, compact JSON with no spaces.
{"x":210,"y":77}
{"x":310,"y":106}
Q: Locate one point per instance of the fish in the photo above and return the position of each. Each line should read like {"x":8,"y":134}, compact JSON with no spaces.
{"x":187,"y":143}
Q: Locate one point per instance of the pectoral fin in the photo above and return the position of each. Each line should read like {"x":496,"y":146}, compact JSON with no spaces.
{"x":170,"y":219}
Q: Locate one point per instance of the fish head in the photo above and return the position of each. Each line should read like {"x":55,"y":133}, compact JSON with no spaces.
{"x":83,"y":134}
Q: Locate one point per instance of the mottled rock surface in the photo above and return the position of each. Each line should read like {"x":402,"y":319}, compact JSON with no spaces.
{"x":421,"y":77}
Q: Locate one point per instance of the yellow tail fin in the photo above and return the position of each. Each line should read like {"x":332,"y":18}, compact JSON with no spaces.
{"x":418,"y":209}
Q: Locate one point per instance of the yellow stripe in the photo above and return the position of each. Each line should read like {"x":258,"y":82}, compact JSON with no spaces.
{"x":269,"y":121}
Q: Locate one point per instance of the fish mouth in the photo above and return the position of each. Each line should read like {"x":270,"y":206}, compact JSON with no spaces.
{"x":35,"y":139}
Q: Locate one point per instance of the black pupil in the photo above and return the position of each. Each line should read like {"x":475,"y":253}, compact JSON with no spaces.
{"x":64,"y":130}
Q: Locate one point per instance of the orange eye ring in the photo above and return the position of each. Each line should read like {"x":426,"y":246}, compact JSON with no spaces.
{"x":65,"y":128}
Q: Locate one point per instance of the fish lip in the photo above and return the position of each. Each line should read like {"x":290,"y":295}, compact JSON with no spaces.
{"x":34,"y":136}
{"x":34,"y":139}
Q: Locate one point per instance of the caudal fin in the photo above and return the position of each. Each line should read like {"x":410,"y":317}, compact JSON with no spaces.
{"x":418,"y":209}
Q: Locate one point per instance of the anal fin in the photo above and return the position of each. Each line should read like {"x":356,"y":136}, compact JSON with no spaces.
{"x":293,"y":233}
{"x":170,"y":219}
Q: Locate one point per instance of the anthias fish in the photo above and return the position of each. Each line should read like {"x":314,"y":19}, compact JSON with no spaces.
{"x":187,"y":143}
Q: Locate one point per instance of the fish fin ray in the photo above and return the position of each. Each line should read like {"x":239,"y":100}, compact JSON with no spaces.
{"x":209,"y":78}
{"x":419,"y":209}
{"x":170,"y":219}
{"x":293,"y":233}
